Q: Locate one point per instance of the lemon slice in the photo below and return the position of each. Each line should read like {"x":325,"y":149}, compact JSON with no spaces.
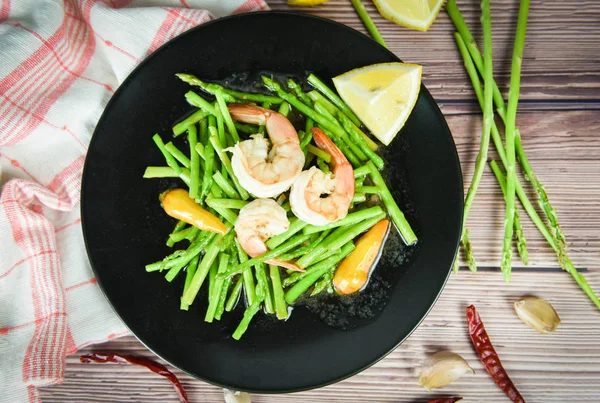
{"x":415,"y":14}
{"x":381,"y":95}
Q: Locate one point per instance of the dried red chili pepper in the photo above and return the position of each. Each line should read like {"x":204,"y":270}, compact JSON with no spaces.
{"x":488,"y":356}
{"x":142,"y":361}
{"x":446,"y":400}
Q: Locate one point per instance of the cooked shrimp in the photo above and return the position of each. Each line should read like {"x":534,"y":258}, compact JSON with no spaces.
{"x":261,"y":172}
{"x":306,"y":197}
{"x":258,"y":221}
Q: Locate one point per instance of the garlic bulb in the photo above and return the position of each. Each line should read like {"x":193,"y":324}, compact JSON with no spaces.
{"x":537,"y":313}
{"x":443,"y":368}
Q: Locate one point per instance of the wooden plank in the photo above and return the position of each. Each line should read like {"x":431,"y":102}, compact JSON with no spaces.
{"x":555,"y":368}
{"x":561,"y":58}
{"x":563,"y":147}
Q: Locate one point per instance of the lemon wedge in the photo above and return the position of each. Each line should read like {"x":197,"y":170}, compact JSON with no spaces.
{"x":381,"y":95}
{"x":415,"y":14}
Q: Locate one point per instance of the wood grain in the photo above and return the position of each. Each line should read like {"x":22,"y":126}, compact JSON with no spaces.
{"x":559,"y":367}
{"x":561,"y":61}
{"x":559,"y":118}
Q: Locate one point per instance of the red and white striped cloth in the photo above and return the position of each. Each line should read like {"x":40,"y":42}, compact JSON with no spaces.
{"x":61,"y":60}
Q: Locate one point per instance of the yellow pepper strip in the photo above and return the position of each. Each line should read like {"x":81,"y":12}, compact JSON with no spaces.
{"x":353,"y":273}
{"x":178,"y":204}
{"x":305,"y":2}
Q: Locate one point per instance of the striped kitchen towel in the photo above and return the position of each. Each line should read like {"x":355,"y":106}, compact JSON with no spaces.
{"x":60,"y":62}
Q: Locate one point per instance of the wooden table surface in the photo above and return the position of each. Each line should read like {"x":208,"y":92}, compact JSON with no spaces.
{"x":559,"y":118}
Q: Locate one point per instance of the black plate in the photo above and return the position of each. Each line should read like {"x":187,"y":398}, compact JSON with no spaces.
{"x":125,"y":228}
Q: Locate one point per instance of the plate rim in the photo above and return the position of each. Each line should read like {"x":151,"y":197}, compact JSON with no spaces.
{"x":148,"y":60}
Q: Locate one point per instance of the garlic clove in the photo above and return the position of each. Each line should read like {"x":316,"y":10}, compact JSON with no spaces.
{"x":232,"y":396}
{"x":443,"y":368}
{"x":538,"y":314}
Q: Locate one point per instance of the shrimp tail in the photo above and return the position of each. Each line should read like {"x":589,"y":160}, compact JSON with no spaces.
{"x":342,"y":169}
{"x":285,"y":265}
{"x":324,"y":143}
{"x":249,"y":113}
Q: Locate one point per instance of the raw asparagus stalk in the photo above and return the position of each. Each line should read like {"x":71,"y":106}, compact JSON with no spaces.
{"x":488,"y":117}
{"x":511,"y":115}
{"x":465,"y":33}
{"x":468,"y":251}
{"x":543,"y":200}
{"x":565,"y":263}
{"x":470,"y":67}
{"x":521,"y":240}
{"x":369,"y":24}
